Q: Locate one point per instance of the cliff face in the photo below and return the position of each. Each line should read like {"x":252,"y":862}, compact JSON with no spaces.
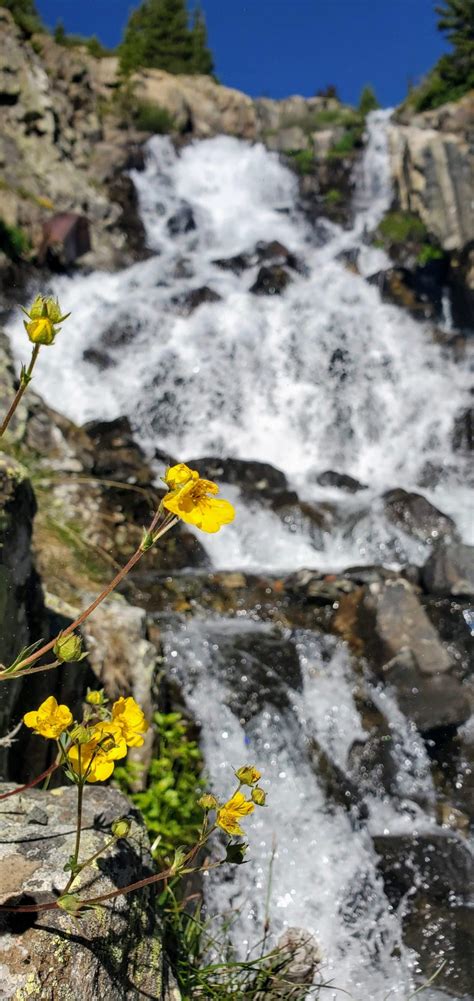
{"x":433,"y":166}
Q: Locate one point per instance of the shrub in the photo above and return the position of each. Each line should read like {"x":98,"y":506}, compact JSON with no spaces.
{"x":154,"y":118}
{"x":13,"y":241}
{"x":333,"y":196}
{"x":348,"y":142}
{"x":368,"y":100}
{"x":302,"y":160}
{"x":25,"y":15}
{"x":429,"y":252}
{"x":401,"y":227}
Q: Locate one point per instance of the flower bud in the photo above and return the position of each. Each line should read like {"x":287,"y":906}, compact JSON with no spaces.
{"x":69,"y":648}
{"x":178,"y":861}
{"x":40,"y":331}
{"x":208,"y":802}
{"x":44,"y":314}
{"x":81,"y":734}
{"x":259,"y":796}
{"x":248,"y":775}
{"x":121,"y":828}
{"x":95,"y":698}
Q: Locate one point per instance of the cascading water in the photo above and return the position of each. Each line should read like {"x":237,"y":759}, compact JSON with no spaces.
{"x":324,"y":376}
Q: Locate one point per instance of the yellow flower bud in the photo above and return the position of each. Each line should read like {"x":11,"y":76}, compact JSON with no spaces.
{"x":40,"y":331}
{"x":43,"y":314}
{"x":121,"y":828}
{"x":69,"y":648}
{"x":95,"y":698}
{"x":248,"y":775}
{"x":259,"y":796}
{"x":208,"y":802}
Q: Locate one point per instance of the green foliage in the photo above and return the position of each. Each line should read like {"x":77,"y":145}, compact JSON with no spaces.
{"x":401,"y":227}
{"x":150,"y":117}
{"x":158,"y":35}
{"x":169,"y":803}
{"x":453,"y":75}
{"x":333,"y":196}
{"x":429,"y":252}
{"x":302,"y":159}
{"x":368,"y":100}
{"x":93,"y":45}
{"x":346,"y":145}
{"x":25,"y":15}
{"x":13,"y":241}
{"x":317,"y":121}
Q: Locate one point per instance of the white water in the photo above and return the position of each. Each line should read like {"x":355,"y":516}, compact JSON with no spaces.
{"x":324,"y":376}
{"x":324,"y":872}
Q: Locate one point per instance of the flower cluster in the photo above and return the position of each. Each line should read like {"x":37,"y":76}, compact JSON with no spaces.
{"x":90,"y":749}
{"x":230,"y":813}
{"x":43,"y":315}
{"x":194,"y":500}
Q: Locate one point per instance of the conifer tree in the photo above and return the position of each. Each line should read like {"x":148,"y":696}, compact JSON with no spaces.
{"x":25,"y":14}
{"x":158,"y":35}
{"x":456,"y":20}
{"x":202,"y":56}
{"x":368,"y":100}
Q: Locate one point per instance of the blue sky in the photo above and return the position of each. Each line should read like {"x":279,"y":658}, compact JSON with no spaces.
{"x":281,"y":47}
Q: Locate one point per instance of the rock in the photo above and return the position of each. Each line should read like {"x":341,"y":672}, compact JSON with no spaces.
{"x":450,"y":618}
{"x":115,"y":954}
{"x":271,"y":280}
{"x":275,"y":252}
{"x":399,"y":286}
{"x":257,"y":479}
{"x":463,"y":431}
{"x":340,"y":480}
{"x":195,"y":297}
{"x":182,"y":221}
{"x":338,"y":786}
{"x":99,"y":359}
{"x":441,"y":932}
{"x":431,"y":160}
{"x":417,"y":517}
{"x":450,"y":570}
{"x":437,"y":862}
{"x":116,"y":453}
{"x":435,"y":704}
{"x":65,"y":238}
{"x":461,"y":283}
{"x":292,"y":965}
{"x":237,"y":264}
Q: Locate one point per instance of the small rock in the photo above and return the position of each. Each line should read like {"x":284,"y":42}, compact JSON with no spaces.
{"x":99,"y":359}
{"x":271,"y":280}
{"x":341,"y":480}
{"x":190,"y":301}
{"x":463,"y":431}
{"x":182,"y":221}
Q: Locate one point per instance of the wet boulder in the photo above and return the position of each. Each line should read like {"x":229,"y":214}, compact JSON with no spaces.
{"x":65,"y":238}
{"x":99,"y":359}
{"x":276,"y":253}
{"x":116,"y":453}
{"x":342,"y":481}
{"x":463,"y":431}
{"x":182,"y":221}
{"x":271,"y":280}
{"x":237,"y":264}
{"x":436,"y":704}
{"x":257,"y":479}
{"x":438,"y":862}
{"x":400,"y":287}
{"x":413,"y":514}
{"x":450,"y":570}
{"x":195,"y":297}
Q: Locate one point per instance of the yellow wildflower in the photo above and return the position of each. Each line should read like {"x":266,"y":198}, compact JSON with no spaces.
{"x":248,"y":775}
{"x":96,"y":759}
{"x":259,"y":796}
{"x":44,"y":314}
{"x":176,"y":476}
{"x":95,"y":697}
{"x":195,"y":504}
{"x":231,"y":812}
{"x":208,"y":801}
{"x":50,"y":720}
{"x":127,"y":715}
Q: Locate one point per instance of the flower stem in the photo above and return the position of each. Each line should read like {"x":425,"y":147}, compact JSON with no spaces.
{"x":19,"y":672}
{"x":29,"y":785}
{"x":24,"y":380}
{"x":75,"y":856}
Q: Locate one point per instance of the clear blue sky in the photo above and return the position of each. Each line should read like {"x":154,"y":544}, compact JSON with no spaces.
{"x":281,"y":47}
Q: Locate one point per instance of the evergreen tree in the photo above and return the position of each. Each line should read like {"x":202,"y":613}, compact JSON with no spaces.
{"x":157,"y":35}
{"x":202,"y":56}
{"x":368,"y":101}
{"x":25,"y":14}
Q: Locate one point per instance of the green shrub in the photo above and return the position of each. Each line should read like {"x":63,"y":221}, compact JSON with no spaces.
{"x":368,"y":100}
{"x":302,"y":160}
{"x":429,"y":252}
{"x":150,"y":117}
{"x":347,"y":143}
{"x":174,"y":784}
{"x":401,"y":227}
{"x":318,"y":121}
{"x":333,"y":196}
{"x":453,"y":75}
{"x":13,"y":241}
{"x":25,"y":15}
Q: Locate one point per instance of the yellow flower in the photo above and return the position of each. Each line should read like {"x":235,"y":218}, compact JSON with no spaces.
{"x":96,"y":759}
{"x":248,"y":775}
{"x":259,"y":796}
{"x":95,"y":697}
{"x":43,"y":315}
{"x":229,"y":815}
{"x":128,"y":716}
{"x":176,"y":476}
{"x":50,"y":720}
{"x":194,"y":504}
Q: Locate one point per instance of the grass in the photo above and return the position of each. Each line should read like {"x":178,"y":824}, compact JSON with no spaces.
{"x":153,"y":118}
{"x":333,"y":197}
{"x":302,"y":160}
{"x":402,"y":227}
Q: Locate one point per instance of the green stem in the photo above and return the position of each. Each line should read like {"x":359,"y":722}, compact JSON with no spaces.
{"x":24,"y":380}
{"x":34,"y":782}
{"x":75,"y":856}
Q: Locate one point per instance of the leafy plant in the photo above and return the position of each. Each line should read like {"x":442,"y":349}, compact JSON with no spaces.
{"x":25,"y":15}
{"x":154,"y":118}
{"x":348,"y":142}
{"x":333,"y":196}
{"x":302,"y":160}
{"x":169,"y":803}
{"x":401,"y":227}
{"x":429,"y":252}
{"x":13,"y":241}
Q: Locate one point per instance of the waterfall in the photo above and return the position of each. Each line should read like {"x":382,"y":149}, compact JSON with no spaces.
{"x":324,"y":376}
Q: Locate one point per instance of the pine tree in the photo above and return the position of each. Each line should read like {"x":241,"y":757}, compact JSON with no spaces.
{"x":158,"y":35}
{"x":368,"y":100}
{"x":202,"y":56}
{"x":453,"y":74}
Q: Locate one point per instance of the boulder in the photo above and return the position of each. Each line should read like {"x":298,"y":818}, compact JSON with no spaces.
{"x":436,"y":704}
{"x":400,"y":286}
{"x":65,"y":238}
{"x":463,"y":431}
{"x":438,"y":862}
{"x":258,"y":479}
{"x":340,"y":480}
{"x":271,"y":280}
{"x":415,"y":515}
{"x":450,"y":570}
{"x":189,"y":301}
{"x":113,"y":954}
{"x":237,"y":264}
